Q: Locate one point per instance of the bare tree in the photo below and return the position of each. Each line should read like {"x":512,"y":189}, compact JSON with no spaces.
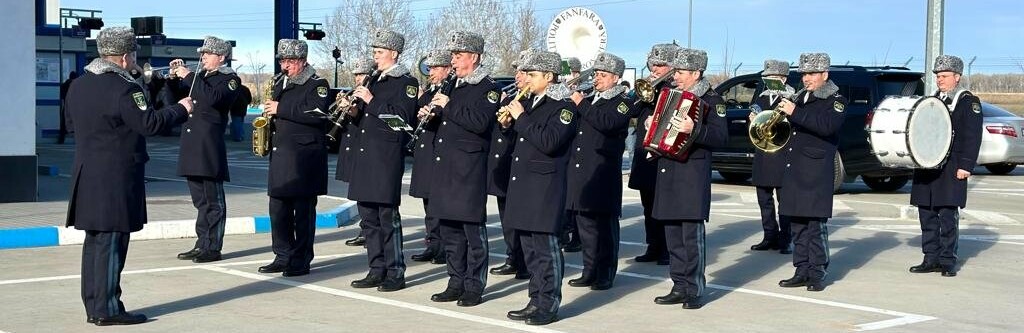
{"x":256,"y":77}
{"x":351,"y":27}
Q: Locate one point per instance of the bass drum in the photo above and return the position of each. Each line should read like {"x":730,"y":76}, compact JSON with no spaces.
{"x":911,"y":132}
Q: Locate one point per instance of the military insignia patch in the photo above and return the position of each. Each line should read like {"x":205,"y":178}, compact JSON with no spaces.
{"x":976,"y":107}
{"x":321,"y":91}
{"x":565,"y":117}
{"x":411,"y":91}
{"x":720,"y":110}
{"x":622,"y":108}
{"x":492,"y":97}
{"x":838,"y":106}
{"x":140,"y":101}
{"x":232,"y":84}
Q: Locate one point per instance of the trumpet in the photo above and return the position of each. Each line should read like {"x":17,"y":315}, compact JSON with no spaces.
{"x":261,"y":134}
{"x":504,"y":113}
{"x":338,"y":111}
{"x":149,"y":72}
{"x":645,"y":87}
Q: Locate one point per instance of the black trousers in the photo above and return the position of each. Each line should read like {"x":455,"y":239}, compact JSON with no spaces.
{"x":432,"y":234}
{"x":600,"y":236}
{"x":686,"y":248}
{"x":940,"y":231}
{"x":655,"y":230}
{"x":774,"y":227}
{"x":513,"y":247}
{"x":292,"y":228}
{"x":208,"y":198}
{"x":103,"y":257}
{"x":546,"y":265}
{"x":465,"y":244}
{"x":810,"y":246}
{"x":383,"y":239}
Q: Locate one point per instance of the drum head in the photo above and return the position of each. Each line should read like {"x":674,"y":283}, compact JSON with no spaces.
{"x":929,"y":133}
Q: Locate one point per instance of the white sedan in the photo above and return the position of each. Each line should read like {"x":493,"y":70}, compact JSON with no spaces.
{"x":1002,"y":140}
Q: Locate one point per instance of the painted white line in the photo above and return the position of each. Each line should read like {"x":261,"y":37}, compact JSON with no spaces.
{"x":907,"y":226}
{"x":997,"y":193}
{"x":382,"y":301}
{"x":989,"y":217}
{"x":748,"y":197}
{"x":738,"y":210}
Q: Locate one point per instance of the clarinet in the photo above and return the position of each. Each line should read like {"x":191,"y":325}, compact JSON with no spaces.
{"x":447,"y":85}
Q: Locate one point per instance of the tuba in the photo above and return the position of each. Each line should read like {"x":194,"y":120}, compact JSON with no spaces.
{"x":261,"y":134}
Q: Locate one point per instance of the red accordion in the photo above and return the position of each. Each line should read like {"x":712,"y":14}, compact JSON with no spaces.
{"x":662,"y":138}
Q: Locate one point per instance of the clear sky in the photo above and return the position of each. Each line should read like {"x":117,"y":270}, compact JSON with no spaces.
{"x":863,"y":32}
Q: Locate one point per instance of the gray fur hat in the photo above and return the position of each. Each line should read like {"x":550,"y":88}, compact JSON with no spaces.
{"x":814,"y":62}
{"x":116,"y":41}
{"x":689,"y":59}
{"x":948,"y":63}
{"x":610,"y":63}
{"x":662,"y":54}
{"x":387,"y":39}
{"x":363,"y":66}
{"x":438,"y":57}
{"x":522,"y":55}
{"x":216,"y":46}
{"x":574,"y":64}
{"x":775,"y":67}
{"x":542,"y":61}
{"x":292,"y":49}
{"x":465,"y":41}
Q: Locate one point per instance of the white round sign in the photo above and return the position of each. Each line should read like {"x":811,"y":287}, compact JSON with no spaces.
{"x":577,"y":32}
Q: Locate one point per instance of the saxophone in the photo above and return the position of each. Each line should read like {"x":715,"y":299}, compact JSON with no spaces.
{"x":261,"y":135}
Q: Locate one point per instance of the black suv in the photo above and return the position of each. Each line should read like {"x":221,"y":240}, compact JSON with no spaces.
{"x":864,"y":87}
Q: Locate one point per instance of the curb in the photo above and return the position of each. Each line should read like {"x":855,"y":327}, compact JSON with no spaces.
{"x":341,"y":216}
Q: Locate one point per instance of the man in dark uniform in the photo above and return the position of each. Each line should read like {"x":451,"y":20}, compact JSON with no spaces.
{"x":202,"y":158}
{"x":298,"y":159}
{"x":940,"y":193}
{"x":458,"y":193}
{"x":806,"y":194}
{"x":570,"y":238}
{"x":768,"y":167}
{"x":545,"y":127}
{"x":109,"y":113}
{"x":499,"y":164}
{"x":348,"y":143}
{"x":62,"y":132}
{"x":594,"y":190}
{"x":238,"y":111}
{"x":689,"y":182}
{"x":643,"y":173}
{"x":378,"y":165}
{"x":439,"y":62}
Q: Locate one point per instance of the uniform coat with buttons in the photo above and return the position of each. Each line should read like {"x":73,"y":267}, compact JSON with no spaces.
{"x":499,"y":163}
{"x":108,"y":113}
{"x":643,"y":172}
{"x":768,"y":167}
{"x":298,"y":159}
{"x":379,"y":162}
{"x":683,"y":189}
{"x":348,"y":144}
{"x":423,"y":152}
{"x":807,"y":184}
{"x":939,"y":187}
{"x":202,"y":151}
{"x":459,"y":188}
{"x":536,"y":190}
{"x":595,"y":163}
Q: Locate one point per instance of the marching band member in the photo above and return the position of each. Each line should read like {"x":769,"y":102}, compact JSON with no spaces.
{"x":769,"y":167}
{"x":298,"y":159}
{"x":109,"y":114}
{"x":348,"y":144}
{"x":376,"y":179}
{"x":499,"y":164}
{"x":805,"y":198}
{"x":440,"y":63}
{"x":643,"y":173}
{"x":594,"y":192}
{"x":570,"y":237}
{"x":536,"y":191}
{"x":458,"y":193}
{"x":202,"y":158}
{"x":940,"y":193}
{"x":689,"y":182}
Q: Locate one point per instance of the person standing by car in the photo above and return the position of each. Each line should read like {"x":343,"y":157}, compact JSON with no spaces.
{"x":769,"y":167}
{"x":940,"y":193}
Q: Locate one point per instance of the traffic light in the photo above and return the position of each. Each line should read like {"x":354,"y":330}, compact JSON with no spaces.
{"x":336,"y":53}
{"x":314,"y":34}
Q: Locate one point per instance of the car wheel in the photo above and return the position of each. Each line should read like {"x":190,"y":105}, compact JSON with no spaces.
{"x":885,"y":184}
{"x":734,"y":177}
{"x":1001,"y":168}
{"x":838,"y":173}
